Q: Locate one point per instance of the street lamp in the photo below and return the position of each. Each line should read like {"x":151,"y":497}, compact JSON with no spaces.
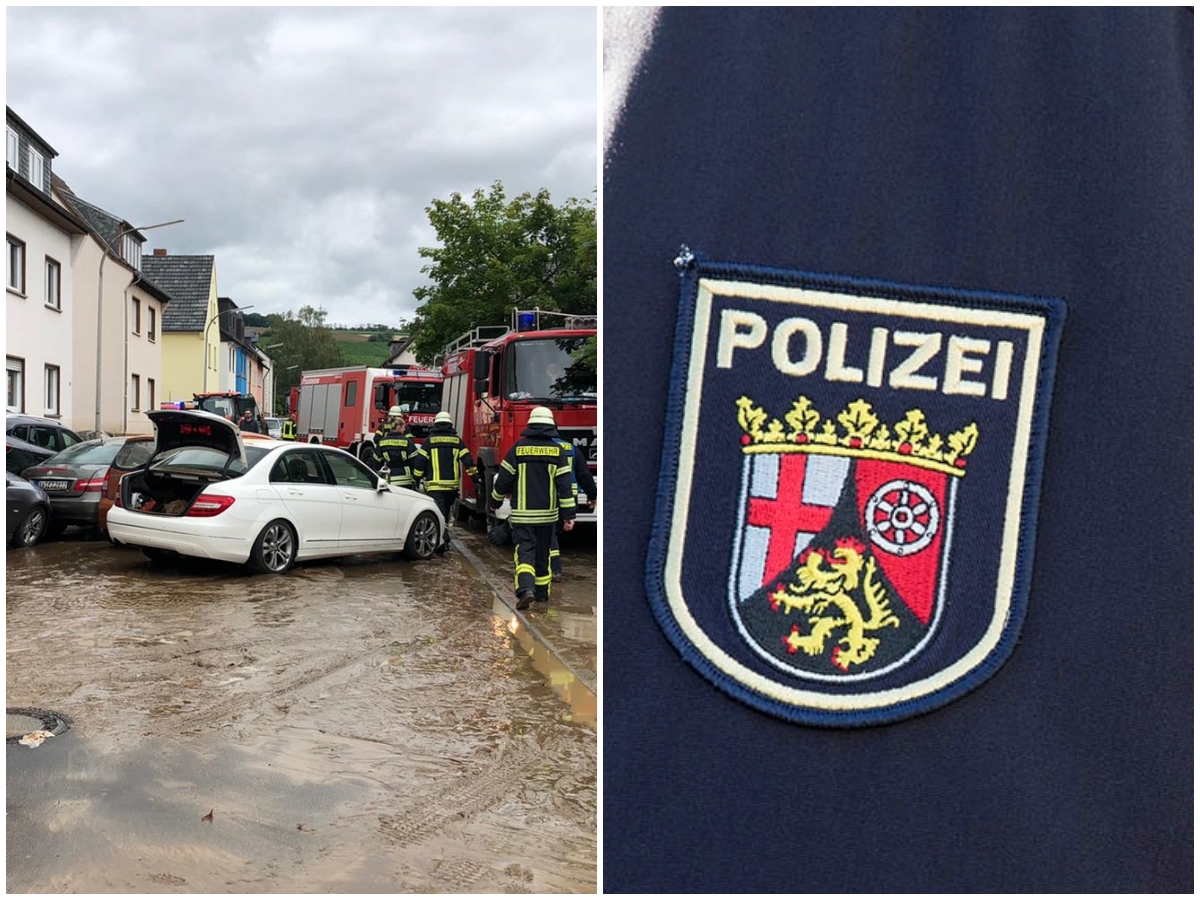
{"x":208,"y":326}
{"x":100,"y":301}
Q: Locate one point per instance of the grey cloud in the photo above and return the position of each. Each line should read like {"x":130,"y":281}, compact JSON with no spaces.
{"x":302,"y":145}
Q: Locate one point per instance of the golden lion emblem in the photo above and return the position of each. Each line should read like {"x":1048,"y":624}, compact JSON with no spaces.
{"x":824,"y":583}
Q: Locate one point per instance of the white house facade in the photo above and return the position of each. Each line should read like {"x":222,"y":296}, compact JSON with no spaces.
{"x":39,"y":291}
{"x":118,"y":314}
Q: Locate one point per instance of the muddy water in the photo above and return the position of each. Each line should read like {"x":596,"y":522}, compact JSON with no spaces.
{"x":363,"y":725}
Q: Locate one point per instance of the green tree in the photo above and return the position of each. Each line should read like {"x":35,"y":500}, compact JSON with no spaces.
{"x":496,"y":254}
{"x":306,"y":344}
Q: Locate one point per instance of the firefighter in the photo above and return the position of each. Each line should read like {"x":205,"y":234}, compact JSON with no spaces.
{"x":396,"y":449}
{"x":440,"y":463}
{"x":581,"y":476}
{"x":536,"y":475}
{"x":287,"y":431}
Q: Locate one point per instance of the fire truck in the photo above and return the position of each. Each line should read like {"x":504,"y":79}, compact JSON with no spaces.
{"x":343,"y":407}
{"x":496,"y":375}
{"x":228,"y":404}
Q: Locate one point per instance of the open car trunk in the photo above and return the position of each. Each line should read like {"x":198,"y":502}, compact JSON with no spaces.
{"x":192,"y":450}
{"x":162,"y":494}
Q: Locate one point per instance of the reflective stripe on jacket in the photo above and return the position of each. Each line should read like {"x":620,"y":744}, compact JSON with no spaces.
{"x":537,"y":474}
{"x":441,"y":461}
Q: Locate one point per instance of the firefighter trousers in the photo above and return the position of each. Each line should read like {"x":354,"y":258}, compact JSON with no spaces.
{"x":555,"y":553}
{"x":445,"y":504}
{"x":531,"y":556}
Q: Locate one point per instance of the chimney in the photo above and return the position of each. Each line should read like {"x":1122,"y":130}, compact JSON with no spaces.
{"x":158,"y":251}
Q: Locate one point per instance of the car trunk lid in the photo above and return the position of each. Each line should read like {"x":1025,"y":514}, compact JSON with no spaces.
{"x":175,"y":428}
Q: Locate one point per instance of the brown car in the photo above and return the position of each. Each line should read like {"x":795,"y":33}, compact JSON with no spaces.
{"x":135,"y":452}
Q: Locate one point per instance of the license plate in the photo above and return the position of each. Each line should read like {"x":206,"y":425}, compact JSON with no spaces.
{"x":57,"y":484}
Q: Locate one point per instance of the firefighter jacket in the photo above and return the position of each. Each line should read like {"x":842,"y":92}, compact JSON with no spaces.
{"x":581,"y":475}
{"x":399,"y":452}
{"x":537,"y":474}
{"x":443,"y":458}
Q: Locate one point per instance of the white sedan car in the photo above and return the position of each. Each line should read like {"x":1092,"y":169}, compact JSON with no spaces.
{"x":264,"y":503}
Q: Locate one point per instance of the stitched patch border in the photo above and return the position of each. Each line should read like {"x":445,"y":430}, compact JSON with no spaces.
{"x":897,"y":517}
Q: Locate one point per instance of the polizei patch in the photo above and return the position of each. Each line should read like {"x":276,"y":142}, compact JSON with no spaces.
{"x":849,"y":487}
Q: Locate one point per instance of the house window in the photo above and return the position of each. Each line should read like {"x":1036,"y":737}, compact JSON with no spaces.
{"x":53,"y":284}
{"x":12,"y":149}
{"x":131,"y":251}
{"x":52,"y":393}
{"x":36,"y":167}
{"x":16,"y":384}
{"x":151,"y":333}
{"x":135,"y":392}
{"x":135,"y":314}
{"x":16,"y":265}
{"x":149,"y":393}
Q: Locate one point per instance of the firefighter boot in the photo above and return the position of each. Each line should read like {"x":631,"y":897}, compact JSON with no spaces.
{"x":524,"y":599}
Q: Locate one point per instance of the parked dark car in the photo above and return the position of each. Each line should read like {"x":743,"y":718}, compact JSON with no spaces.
{"x":30,"y":440}
{"x":28,"y":511}
{"x":74,"y":479}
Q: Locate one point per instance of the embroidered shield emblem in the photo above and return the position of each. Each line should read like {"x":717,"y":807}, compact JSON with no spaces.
{"x":870,"y":456}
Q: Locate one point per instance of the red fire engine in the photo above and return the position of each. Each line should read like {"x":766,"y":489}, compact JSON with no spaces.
{"x":343,"y":407}
{"x":495,"y":376}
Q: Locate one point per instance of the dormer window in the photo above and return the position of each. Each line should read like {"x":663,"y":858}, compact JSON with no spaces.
{"x":131,"y":251}
{"x":37,"y":167}
{"x":12,"y":150}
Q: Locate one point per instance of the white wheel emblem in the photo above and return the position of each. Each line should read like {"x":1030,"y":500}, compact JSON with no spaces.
{"x":902,"y":517}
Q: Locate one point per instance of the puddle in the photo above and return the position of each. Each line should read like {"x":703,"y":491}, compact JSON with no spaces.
{"x":374,"y":727}
{"x":567,"y":684}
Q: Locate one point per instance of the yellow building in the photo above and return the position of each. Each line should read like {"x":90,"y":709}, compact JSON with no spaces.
{"x":191,"y":339}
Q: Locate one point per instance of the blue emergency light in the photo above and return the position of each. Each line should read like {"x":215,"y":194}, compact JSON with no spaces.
{"x":527,"y":321}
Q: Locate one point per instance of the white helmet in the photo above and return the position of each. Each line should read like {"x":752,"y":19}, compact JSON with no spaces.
{"x":541,"y":416}
{"x":442,"y":418}
{"x":396,"y":412}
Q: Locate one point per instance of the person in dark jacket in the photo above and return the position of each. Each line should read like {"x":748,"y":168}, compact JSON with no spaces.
{"x":395,"y":449}
{"x":581,"y":479}
{"x":536,"y":474}
{"x":441,"y":463}
{"x":247,"y":423}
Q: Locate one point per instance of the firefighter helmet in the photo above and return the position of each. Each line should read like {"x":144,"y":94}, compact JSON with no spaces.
{"x":396,"y":412}
{"x":442,"y":418}
{"x":541,"y":416}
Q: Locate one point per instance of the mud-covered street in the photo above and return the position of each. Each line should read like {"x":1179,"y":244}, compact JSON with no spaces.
{"x":358,"y":725}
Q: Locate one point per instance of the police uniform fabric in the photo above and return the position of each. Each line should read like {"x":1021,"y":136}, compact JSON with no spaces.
{"x":440,"y":463}
{"x":537,"y":475}
{"x":1044,"y":152}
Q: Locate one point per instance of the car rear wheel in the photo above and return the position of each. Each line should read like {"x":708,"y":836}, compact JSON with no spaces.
{"x":423,"y":537}
{"x":32,"y":528}
{"x":275,"y":550}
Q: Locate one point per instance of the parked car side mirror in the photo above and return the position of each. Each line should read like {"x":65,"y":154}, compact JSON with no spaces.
{"x":381,"y":485}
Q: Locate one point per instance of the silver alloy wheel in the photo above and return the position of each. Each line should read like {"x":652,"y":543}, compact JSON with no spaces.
{"x":424,"y":536}
{"x":33,"y":526}
{"x":278,"y":547}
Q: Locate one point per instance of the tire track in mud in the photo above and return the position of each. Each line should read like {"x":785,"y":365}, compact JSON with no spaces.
{"x":196,"y":721}
{"x":468,"y":795}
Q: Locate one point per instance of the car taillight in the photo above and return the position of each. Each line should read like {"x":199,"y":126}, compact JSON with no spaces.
{"x":207,"y":505}
{"x":93,"y":484}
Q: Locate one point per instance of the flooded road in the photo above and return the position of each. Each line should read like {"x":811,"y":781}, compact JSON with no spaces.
{"x":356,"y":725}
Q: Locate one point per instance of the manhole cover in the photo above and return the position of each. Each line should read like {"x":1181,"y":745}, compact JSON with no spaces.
{"x":24,"y":720}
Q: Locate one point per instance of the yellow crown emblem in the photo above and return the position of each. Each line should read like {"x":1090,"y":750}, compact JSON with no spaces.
{"x":855,"y":431}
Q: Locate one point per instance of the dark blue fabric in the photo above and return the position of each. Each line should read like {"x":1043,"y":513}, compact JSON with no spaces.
{"x":1039,"y":152}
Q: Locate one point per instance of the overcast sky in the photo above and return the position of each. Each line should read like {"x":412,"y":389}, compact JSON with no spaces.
{"x":302,"y":145}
